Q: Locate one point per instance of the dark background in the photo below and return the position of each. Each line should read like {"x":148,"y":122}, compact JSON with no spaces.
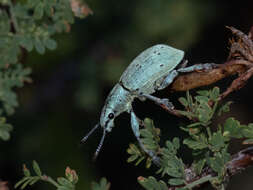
{"x":70,"y":85}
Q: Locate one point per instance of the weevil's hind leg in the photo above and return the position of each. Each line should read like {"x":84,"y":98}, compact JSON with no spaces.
{"x":198,"y":67}
{"x":135,"y":127}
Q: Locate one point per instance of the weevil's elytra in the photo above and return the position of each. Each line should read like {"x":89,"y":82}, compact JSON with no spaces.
{"x":145,"y":76}
{"x":154,"y":69}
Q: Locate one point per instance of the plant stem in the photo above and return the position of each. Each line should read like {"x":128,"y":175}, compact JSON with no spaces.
{"x":199,"y":181}
{"x":13,"y":18}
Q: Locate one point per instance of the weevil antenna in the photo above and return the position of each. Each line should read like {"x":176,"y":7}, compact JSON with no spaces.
{"x":91,"y":131}
{"x":100,"y":145}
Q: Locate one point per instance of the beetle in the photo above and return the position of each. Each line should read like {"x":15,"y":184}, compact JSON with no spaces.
{"x":152,"y":70}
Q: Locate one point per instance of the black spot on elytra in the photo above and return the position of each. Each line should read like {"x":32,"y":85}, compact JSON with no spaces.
{"x":158,"y":54}
{"x":161,"y":65}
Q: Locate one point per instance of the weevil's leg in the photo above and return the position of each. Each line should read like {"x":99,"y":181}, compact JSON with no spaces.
{"x":167,"y":80}
{"x":183,"y":64}
{"x":198,"y":67}
{"x":136,"y":130}
{"x":163,"y":102}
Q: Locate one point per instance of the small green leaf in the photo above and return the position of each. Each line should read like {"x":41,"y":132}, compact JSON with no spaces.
{"x":50,"y":43}
{"x":193,"y":144}
{"x":247,"y":131}
{"x":26,"y":171}
{"x":198,"y":165}
{"x":183,"y":101}
{"x":63,"y":181}
{"x":203,"y":92}
{"x":26,"y":183}
{"x":201,"y":99}
{"x":176,"y":143}
{"x":176,"y":181}
{"x":217,"y":141}
{"x":38,"y":11}
{"x":20,"y":182}
{"x":36,"y":168}
{"x":63,"y":188}
{"x":102,"y":185}
{"x":26,"y":43}
{"x":151,"y":183}
{"x":39,"y":46}
{"x":232,"y":128}
{"x":224,"y":108}
{"x":215,"y":94}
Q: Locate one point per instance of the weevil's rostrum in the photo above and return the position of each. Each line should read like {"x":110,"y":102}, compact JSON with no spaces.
{"x":154,"y":69}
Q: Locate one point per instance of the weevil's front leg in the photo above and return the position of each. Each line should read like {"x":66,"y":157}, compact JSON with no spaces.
{"x":198,"y":67}
{"x":136,"y":130}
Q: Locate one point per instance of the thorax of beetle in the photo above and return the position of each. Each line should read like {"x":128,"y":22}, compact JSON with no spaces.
{"x":119,"y":99}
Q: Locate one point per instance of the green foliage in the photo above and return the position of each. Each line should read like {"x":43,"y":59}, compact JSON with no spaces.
{"x":151,"y":183}
{"x":68,"y":182}
{"x":150,"y":139}
{"x":102,"y":185}
{"x":24,"y":26}
{"x":200,"y":109}
{"x":14,"y":76}
{"x":5,"y":129}
{"x":62,"y":183}
{"x":170,"y":163}
{"x":209,"y":144}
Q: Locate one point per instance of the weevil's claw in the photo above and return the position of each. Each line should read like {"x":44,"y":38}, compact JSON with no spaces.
{"x":167,"y":103}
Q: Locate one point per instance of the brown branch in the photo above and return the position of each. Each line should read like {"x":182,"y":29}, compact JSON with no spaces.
{"x":242,"y":48}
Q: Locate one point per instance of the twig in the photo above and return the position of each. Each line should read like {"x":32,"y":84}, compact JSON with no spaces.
{"x":240,"y":62}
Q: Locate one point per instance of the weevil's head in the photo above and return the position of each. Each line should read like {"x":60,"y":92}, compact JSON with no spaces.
{"x":107,"y":118}
{"x":118,"y":101}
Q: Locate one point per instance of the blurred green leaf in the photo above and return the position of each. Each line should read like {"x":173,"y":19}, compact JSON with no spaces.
{"x":151,"y":183}
{"x":36,"y":168}
{"x":193,"y":144}
{"x":217,"y":141}
{"x":232,"y":128}
{"x":102,"y":185}
{"x":38,"y":11}
{"x":5,"y":129}
{"x":176,"y":181}
{"x":224,"y":108}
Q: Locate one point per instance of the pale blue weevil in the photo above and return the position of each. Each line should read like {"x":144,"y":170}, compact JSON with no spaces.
{"x":154,"y":69}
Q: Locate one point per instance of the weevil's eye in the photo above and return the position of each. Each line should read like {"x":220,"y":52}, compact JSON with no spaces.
{"x":111,"y":116}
